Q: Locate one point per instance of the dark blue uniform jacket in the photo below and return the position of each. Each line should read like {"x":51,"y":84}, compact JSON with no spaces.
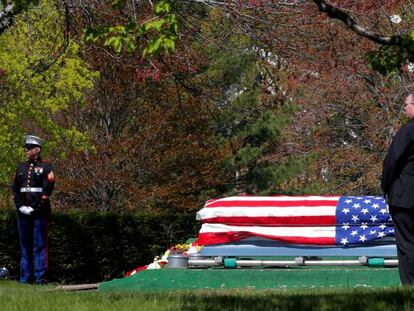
{"x":32,"y":181}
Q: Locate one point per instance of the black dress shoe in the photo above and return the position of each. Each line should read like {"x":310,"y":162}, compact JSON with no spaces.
{"x":42,"y":282}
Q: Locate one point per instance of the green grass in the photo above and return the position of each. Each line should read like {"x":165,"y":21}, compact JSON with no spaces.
{"x":14,"y":296}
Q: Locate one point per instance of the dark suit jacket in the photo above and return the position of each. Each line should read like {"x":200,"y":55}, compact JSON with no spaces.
{"x":397,"y":182}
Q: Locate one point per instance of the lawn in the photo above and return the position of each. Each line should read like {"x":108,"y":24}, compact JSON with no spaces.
{"x":14,"y":296}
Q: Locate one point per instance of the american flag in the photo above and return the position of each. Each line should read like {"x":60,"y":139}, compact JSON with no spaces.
{"x":319,"y":220}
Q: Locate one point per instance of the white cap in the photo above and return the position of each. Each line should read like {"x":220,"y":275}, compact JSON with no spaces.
{"x":33,"y":140}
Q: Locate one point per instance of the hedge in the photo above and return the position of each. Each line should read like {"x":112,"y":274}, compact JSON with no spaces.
{"x":89,"y":247}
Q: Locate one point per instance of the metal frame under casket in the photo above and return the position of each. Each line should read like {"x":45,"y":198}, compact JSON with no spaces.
{"x":231,"y":255}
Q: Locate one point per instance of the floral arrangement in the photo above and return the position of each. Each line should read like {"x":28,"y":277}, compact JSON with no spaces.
{"x":180,"y":249}
{"x":161,"y":262}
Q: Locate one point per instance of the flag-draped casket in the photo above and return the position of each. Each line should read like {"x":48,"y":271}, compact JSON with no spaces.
{"x":319,"y":220}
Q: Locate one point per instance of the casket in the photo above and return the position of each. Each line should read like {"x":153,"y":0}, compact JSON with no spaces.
{"x":306,"y":230}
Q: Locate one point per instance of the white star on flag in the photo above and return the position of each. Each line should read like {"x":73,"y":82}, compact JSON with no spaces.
{"x":348,"y":201}
{"x":355,"y":218}
{"x":381,"y":234}
{"x":383,"y":211}
{"x":354,"y":233}
{"x":372,"y":231}
{"x":344,"y":241}
{"x":363,"y":225}
{"x":373,"y":218}
{"x":345,"y":226}
{"x":356,"y":205}
{"x":367,"y":201}
{"x":362,"y":238}
{"x":364,"y":211}
{"x":345,"y":211}
{"x":383,"y":226}
{"x":375,"y":205}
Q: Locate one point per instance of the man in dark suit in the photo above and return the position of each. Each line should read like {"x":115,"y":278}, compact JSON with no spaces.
{"x":397,"y":184}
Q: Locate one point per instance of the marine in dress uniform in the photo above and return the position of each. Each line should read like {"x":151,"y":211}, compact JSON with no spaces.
{"x":32,"y":187}
{"x":397,"y":184}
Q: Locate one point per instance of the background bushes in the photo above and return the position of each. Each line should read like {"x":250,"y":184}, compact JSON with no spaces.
{"x":92,"y":247}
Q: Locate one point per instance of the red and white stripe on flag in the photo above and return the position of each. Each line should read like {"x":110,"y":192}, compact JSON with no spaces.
{"x":221,"y":233}
{"x":291,"y":219}
{"x":270,"y":211}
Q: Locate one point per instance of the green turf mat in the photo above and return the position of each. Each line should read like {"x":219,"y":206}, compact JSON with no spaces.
{"x":190,"y":240}
{"x":173,"y":279}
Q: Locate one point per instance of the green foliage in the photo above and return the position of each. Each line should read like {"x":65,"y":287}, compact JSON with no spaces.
{"x":118,"y":37}
{"x":386,"y":60}
{"x":389,"y":59}
{"x":92,"y":247}
{"x":166,"y":28}
{"x":42,"y":77}
{"x":408,"y":42}
{"x":118,"y":4}
{"x":161,"y":31}
{"x":257,"y":175}
{"x":265,"y":179}
{"x":250,"y":120}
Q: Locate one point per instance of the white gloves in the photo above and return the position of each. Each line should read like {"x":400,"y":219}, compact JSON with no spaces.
{"x":27,"y":210}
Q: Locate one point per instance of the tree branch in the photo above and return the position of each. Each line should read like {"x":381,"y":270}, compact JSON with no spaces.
{"x":352,"y":24}
{"x":6,"y":17}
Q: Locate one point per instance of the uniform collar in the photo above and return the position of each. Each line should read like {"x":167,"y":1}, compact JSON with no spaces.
{"x":38,"y":160}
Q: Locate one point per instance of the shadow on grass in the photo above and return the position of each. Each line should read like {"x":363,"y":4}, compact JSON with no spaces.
{"x":357,"y":299}
{"x":226,"y":299}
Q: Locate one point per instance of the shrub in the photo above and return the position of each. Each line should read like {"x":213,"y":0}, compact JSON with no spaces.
{"x":92,"y":247}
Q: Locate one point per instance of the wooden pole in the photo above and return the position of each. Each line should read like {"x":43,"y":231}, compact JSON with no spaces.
{"x":78,"y":287}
